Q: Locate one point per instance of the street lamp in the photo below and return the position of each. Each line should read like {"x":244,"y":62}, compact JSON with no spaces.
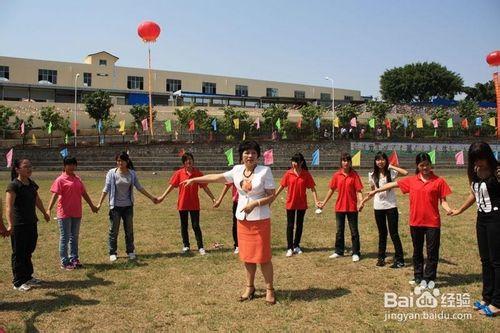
{"x":333,"y":107}
{"x":74,"y":122}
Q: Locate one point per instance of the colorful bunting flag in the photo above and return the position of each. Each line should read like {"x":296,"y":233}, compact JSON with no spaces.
{"x":122,"y":126}
{"x":318,"y":123}
{"x":435,"y":123}
{"x":420,"y":123}
{"x":405,"y":122}
{"x":99,"y":126}
{"x":394,"y":159}
{"x":278,"y":124}
{"x":299,"y":123}
{"x":236,"y":122}
{"x":64,"y":152}
{"x":229,"y":157}
{"x":244,"y":136}
{"x":136,"y":136}
{"x":168,"y":125}
{"x":465,"y":123}
{"x":33,"y":139}
{"x":449,"y":123}
{"x":459,"y":158}
{"x":191,"y":125}
{"x":432,"y":155}
{"x":268,"y":157}
{"x":66,"y":139}
{"x":354,"y":122}
{"x":479,"y":121}
{"x":491,"y":121}
{"x":336,"y":122}
{"x":22,"y":128}
{"x":257,"y":123}
{"x":49,"y":128}
{"x":371,"y":123}
{"x":315,"y":158}
{"x":9,"y":156}
{"x":387,"y":123}
{"x":356,"y":159}
{"x":214,"y":125}
{"x":144,"y":124}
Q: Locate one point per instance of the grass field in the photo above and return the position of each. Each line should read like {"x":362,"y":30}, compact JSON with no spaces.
{"x":164,"y":290}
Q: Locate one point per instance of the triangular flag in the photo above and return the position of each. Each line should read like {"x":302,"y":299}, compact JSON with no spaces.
{"x":257,"y":123}
{"x":465,"y":123}
{"x":33,"y":139}
{"x":181,"y":152}
{"x":9,"y":156}
{"x":122,"y":126}
{"x":144,"y":124}
{"x":236,"y":122}
{"x":336,"y":122}
{"x":387,"y":123}
{"x":315,"y":157}
{"x":356,"y":159}
{"x":49,"y":128}
{"x":435,"y":123}
{"x":99,"y":126}
{"x":449,"y":123}
{"x":491,"y":121}
{"x":394,"y":159}
{"x":354,"y":122}
{"x":191,"y":125}
{"x":22,"y":127}
{"x":432,"y":155}
{"x":459,"y":158}
{"x":66,"y":139}
{"x":244,"y":136}
{"x":479,"y":121}
{"x":168,"y":125}
{"x":278,"y":124}
{"x":371,"y":123}
{"x":268,"y":157}
{"x":214,"y":124}
{"x":299,"y":123}
{"x":229,"y":157}
{"x":318,"y":123}
{"x":136,"y":136}
{"x":64,"y":152}
{"x":420,"y":123}
{"x":405,"y":122}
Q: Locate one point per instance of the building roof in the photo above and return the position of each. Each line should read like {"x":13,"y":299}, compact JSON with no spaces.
{"x":89,"y":55}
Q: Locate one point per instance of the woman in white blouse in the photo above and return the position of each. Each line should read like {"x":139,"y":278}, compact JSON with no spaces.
{"x":255,"y":185}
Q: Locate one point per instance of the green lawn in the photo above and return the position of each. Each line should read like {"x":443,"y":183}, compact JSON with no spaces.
{"x":164,"y":290}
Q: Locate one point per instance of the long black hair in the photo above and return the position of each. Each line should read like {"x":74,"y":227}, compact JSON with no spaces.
{"x":16,"y":164}
{"x":481,"y":151}
{"x":124,"y":157}
{"x":300,"y":160}
{"x":376,"y":170}
{"x":422,"y":157}
{"x":185,"y":157}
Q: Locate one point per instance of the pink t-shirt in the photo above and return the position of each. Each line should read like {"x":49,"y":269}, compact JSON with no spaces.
{"x":70,"y":190}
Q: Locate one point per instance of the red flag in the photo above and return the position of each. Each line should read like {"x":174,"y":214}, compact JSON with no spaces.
{"x":74,"y":126}
{"x":299,"y":123}
{"x":393,"y":159}
{"x":144,"y":123}
{"x":136,"y":136}
{"x":22,"y":128}
{"x":388,"y":123}
{"x":181,"y":152}
{"x":465,"y":123}
{"x":191,"y":125}
{"x":9,"y":156}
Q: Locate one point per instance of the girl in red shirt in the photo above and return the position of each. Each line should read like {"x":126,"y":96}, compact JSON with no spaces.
{"x":188,"y":201}
{"x":297,"y":179}
{"x":426,"y":191}
{"x":347,"y":182}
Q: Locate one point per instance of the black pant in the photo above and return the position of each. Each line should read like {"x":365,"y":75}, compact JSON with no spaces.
{"x":23,"y":241}
{"x":352,"y":217}
{"x":195,"y":223}
{"x":116,"y":215}
{"x":235,"y":224}
{"x":291,"y":217}
{"x":392,"y":222}
{"x":432,"y":237}
{"x":488,"y":240}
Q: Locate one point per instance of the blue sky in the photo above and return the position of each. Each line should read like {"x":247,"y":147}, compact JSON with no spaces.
{"x":292,"y":41}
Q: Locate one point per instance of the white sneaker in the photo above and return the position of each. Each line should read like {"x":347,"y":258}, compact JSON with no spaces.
{"x":236,"y":250}
{"x":113,"y":257}
{"x":289,"y":253}
{"x":185,"y":249}
{"x":23,"y":287}
{"x":132,"y":256}
{"x":202,"y":251}
{"x":334,"y":255}
{"x":423,"y":284}
{"x":297,"y":250}
{"x":355,"y":257}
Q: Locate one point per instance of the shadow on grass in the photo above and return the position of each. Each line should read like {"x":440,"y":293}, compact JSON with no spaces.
{"x":451,"y":280}
{"x":91,"y":281}
{"x":57,"y":302}
{"x":125,"y":265}
{"x":311,"y":294}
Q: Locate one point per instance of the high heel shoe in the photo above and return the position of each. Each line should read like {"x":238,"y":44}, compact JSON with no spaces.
{"x":250,"y":295}
{"x":274,"y":300}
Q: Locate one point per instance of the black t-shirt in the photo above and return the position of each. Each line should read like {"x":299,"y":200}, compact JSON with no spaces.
{"x":24,"y":205}
{"x":487,"y":193}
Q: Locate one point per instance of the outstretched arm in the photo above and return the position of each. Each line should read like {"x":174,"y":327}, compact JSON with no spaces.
{"x":167,"y":191}
{"x":468,"y":202}
{"x":214,"y":178}
{"x":149,"y":196}
{"x":386,"y":187}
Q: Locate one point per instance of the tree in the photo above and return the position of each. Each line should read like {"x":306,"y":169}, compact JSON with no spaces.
{"x":98,"y":105}
{"x":419,"y":82}
{"x":309,"y":114}
{"x":5,"y":114}
{"x":481,"y":92}
{"x":49,"y":115}
{"x":346,"y":112}
{"x":379,"y":110}
{"x":141,"y":112}
{"x":227,"y":124}
{"x":200,"y":116}
{"x":272,"y":114}
{"x":28,"y":124}
{"x":468,"y":109}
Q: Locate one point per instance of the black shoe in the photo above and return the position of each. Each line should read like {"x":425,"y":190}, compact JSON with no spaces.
{"x":398,"y":264}
{"x":380,"y":262}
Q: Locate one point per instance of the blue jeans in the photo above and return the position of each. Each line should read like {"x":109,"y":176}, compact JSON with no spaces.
{"x":115,"y":216}
{"x":70,"y":229}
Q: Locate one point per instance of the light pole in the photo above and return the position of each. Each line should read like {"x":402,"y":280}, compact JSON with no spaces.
{"x":74,"y":122}
{"x":333,"y":107}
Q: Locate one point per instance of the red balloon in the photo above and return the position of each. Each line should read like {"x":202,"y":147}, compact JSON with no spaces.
{"x":493,"y":58}
{"x":148,"y":31}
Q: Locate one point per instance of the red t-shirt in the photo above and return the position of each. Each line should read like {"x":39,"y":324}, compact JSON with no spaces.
{"x":296,"y":197}
{"x":347,"y":186}
{"x":70,"y":190}
{"x":188,"y":196}
{"x":424,"y":199}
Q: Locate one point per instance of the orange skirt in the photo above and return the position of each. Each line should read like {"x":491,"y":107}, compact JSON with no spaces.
{"x":254,"y":241}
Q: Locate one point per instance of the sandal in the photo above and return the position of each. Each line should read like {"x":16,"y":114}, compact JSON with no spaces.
{"x":274,"y":300}
{"x":250,"y":295}
{"x":489,"y":313}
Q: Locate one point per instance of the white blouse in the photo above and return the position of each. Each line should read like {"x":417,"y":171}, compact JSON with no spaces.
{"x":386,"y":199}
{"x":262,"y":180}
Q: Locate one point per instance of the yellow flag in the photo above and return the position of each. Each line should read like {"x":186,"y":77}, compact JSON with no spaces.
{"x":122,"y":126}
{"x":236,"y":122}
{"x":336,"y":122}
{"x":492,"y":121}
{"x":420,"y":123}
{"x":33,"y":139}
{"x":356,"y":159}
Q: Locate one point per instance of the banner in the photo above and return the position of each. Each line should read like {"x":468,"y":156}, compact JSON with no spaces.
{"x":22,"y":128}
{"x":66,"y":139}
{"x":354,"y":122}
{"x":318,"y":123}
{"x":432,"y":155}
{"x":435,"y":123}
{"x":336,"y":122}
{"x":214,"y":125}
{"x":356,"y":159}
{"x":191,"y":125}
{"x":49,"y":128}
{"x":168,"y":126}
{"x":449,"y":123}
{"x":144,"y":124}
{"x":236,"y":122}
{"x":496,"y":80}
{"x":299,"y":123}
{"x":64,"y":152}
{"x":136,"y":136}
{"x":257,"y":123}
{"x":394,"y":159}
{"x":479,"y":121}
{"x":405,"y":122}
{"x":420,"y":123}
{"x":268,"y":157}
{"x":371,"y":122}
{"x":229,"y":157}
{"x":465,"y":123}
{"x":8,"y":157}
{"x":33,"y":139}
{"x":99,"y":126}
{"x":388,"y":123}
{"x":122,"y":126}
{"x":315,"y":158}
{"x":278,"y":124}
{"x":459,"y":158}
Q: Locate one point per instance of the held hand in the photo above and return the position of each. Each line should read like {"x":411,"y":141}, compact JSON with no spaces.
{"x":47,"y":212}
{"x":46,"y":217}
{"x":320,"y":204}
{"x":98,"y":207}
{"x":360,"y":206}
{"x":216,"y":204}
{"x":94,"y":209}
{"x":370,"y":194}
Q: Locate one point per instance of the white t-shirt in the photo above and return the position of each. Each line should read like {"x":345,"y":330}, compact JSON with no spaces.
{"x":262,"y":180}
{"x":386,"y":199}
